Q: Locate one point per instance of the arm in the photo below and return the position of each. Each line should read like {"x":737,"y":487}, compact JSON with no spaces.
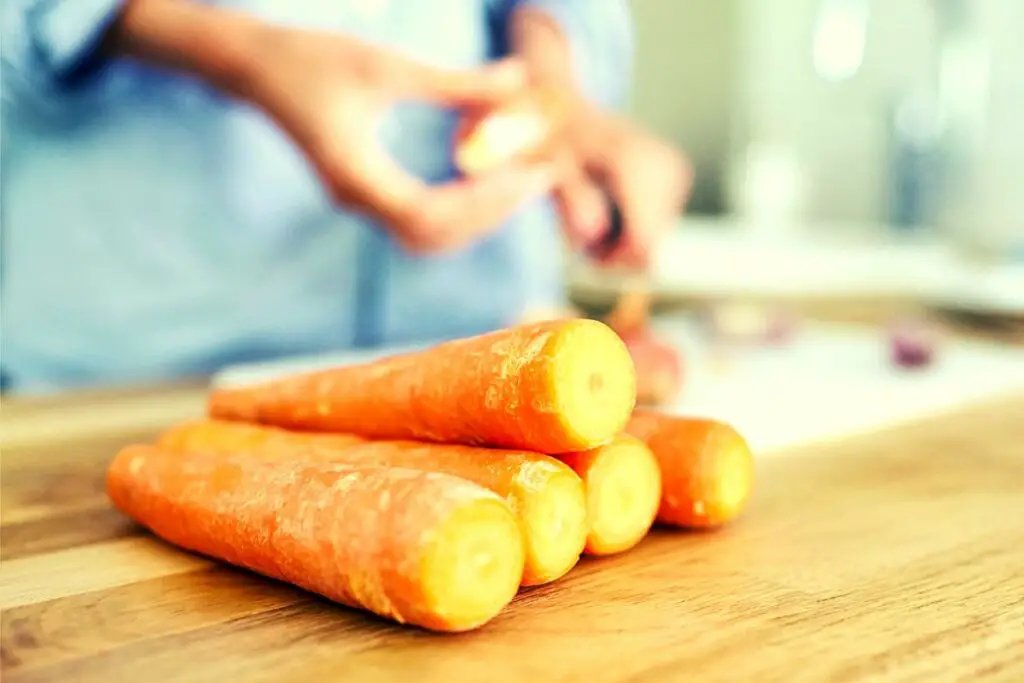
{"x":51,"y":47}
{"x":581,"y":45}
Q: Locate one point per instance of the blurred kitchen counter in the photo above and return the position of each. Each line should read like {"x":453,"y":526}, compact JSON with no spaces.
{"x":892,"y":556}
{"x":828,"y":271}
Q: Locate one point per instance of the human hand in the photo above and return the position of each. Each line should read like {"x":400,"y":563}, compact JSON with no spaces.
{"x":329,"y":92}
{"x":646,"y":178}
{"x":649,"y":180}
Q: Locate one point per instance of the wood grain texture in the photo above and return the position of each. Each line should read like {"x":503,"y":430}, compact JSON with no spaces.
{"x":897,"y":556}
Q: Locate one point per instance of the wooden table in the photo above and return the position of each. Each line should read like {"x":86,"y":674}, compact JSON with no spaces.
{"x":893,"y":557}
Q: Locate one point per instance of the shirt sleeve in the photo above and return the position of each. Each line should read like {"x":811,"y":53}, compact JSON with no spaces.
{"x":50,"y":46}
{"x":601,"y":37}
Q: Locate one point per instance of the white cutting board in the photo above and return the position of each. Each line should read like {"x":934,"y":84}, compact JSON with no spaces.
{"x":835,"y":381}
{"x":832,"y":381}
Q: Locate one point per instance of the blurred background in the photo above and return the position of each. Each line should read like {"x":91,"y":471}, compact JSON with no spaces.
{"x":889,"y":130}
{"x":860,"y":103}
{"x":853,"y":253}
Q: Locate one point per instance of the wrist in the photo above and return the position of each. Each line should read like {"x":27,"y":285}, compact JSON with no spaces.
{"x":217,"y":45}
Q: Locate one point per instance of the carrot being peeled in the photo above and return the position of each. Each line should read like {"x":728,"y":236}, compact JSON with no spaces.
{"x":419,"y":548}
{"x":527,"y":128}
{"x":707,"y":468}
{"x":546,"y":495}
{"x":552,"y":387}
{"x":623,"y":487}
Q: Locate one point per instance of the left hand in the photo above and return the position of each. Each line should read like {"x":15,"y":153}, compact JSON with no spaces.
{"x":647,"y":177}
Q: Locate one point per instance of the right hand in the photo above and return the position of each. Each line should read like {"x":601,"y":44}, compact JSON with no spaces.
{"x":329,"y":92}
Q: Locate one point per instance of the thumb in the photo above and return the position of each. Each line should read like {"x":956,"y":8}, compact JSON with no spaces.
{"x":490,"y":84}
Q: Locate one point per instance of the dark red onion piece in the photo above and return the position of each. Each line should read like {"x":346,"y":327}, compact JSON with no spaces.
{"x":912,"y":344}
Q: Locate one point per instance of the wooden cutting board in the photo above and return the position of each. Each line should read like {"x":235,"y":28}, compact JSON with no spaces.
{"x":889,"y":558}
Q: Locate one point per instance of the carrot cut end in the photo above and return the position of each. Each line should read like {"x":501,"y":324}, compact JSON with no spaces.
{"x":623,"y":482}
{"x":592,"y":384}
{"x":473,"y":566}
{"x":550,"y":501}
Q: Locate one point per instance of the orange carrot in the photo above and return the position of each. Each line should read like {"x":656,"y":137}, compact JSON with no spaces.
{"x":420,"y":548}
{"x":223,"y":436}
{"x":546,"y":494}
{"x":623,"y":486}
{"x":527,"y":128}
{"x":552,"y":387}
{"x":707,"y":468}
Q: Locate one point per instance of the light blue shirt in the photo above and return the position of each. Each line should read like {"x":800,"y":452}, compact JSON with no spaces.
{"x":154,"y":229}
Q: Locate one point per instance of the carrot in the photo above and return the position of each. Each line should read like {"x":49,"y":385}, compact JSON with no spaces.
{"x":552,"y":387}
{"x":416,"y":547}
{"x":223,"y":436}
{"x":546,"y":495}
{"x":707,"y":468}
{"x":623,"y":486}
{"x":527,"y":128}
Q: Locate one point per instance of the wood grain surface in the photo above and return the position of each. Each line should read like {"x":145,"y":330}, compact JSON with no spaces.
{"x":898,"y":556}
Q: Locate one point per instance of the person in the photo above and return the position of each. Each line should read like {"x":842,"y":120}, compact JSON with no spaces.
{"x":192,"y":184}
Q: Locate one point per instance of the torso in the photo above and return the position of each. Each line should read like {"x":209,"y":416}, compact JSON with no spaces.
{"x":153,"y":228}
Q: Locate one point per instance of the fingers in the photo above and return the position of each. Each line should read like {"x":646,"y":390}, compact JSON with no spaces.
{"x":651,"y":189}
{"x":641,"y":220}
{"x":360,"y":174}
{"x":427,"y":219}
{"x":489,"y":85}
{"x":582,"y":205}
{"x":450,"y":216}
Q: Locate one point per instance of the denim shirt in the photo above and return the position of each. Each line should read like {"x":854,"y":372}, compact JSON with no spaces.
{"x":153,"y":228}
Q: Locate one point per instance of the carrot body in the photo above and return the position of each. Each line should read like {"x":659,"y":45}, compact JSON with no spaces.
{"x":419,"y":548}
{"x":224,"y":436}
{"x":623,"y":486}
{"x":552,"y":387}
{"x":546,"y":495}
{"x":707,"y":468}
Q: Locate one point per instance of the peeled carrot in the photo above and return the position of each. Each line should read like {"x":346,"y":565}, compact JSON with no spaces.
{"x":707,"y":468}
{"x":546,"y":495}
{"x":552,"y":387}
{"x":623,"y":486}
{"x":527,"y":128}
{"x":420,"y":548}
{"x":223,"y":436}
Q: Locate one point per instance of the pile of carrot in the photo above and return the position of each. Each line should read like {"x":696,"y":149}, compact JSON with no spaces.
{"x":428,"y":487}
